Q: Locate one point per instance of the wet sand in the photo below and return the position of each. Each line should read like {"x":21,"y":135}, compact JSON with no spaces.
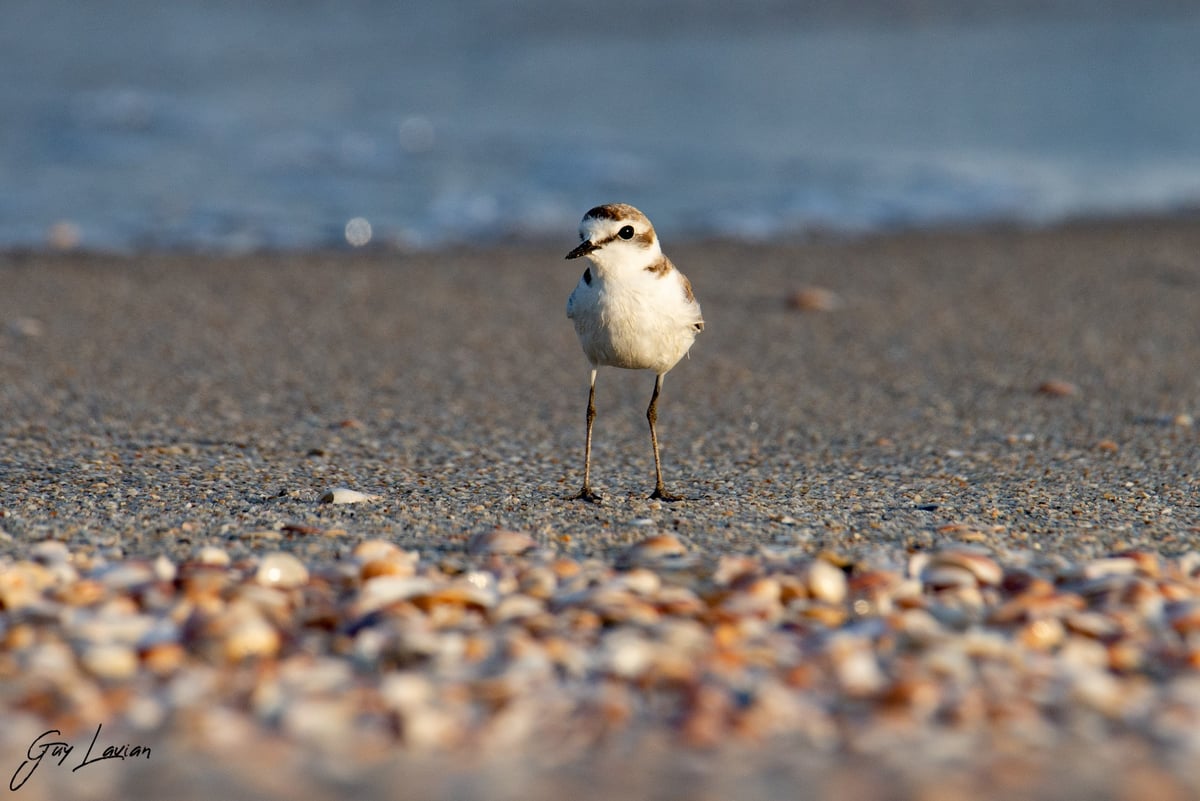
{"x":1031,"y":394}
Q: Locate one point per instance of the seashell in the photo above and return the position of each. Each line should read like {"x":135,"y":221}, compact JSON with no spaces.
{"x":250,"y":636}
{"x":958,"y":607}
{"x":126,"y":576}
{"x":873,"y":583}
{"x":1173,"y":591}
{"x":754,"y":596}
{"x":965,"y":532}
{"x":826,"y":582}
{"x":1036,"y":606}
{"x":22,"y":584}
{"x":164,"y":569}
{"x":639,"y":580}
{"x":163,"y":658}
{"x":204,"y":584}
{"x":658,"y":550}
{"x":369,"y":550}
{"x":263,"y":535}
{"x":679,"y":602}
{"x":814,"y":299}
{"x":111,"y":661}
{"x":1098,"y":689}
{"x":1189,"y":564}
{"x":398,"y":564}
{"x":1184,"y":616}
{"x":918,"y":696}
{"x":626,"y":653}
{"x":339,"y":495}
{"x":566,"y":568}
{"x":855,"y":666}
{"x":1148,"y":564}
{"x":982,"y":567}
{"x":460,"y":593}
{"x":281,"y":570}
{"x":1042,"y":634}
{"x":84,"y":592}
{"x":1057,"y":388}
{"x":829,"y":616}
{"x":917,"y":564}
{"x":500,"y":541}
{"x":211,"y":555}
{"x":517,"y":607}
{"x":731,"y":568}
{"x":1083,"y":653}
{"x":1125,"y":656}
{"x":919,"y":625}
{"x":1095,"y":625}
{"x":537,"y":581}
{"x":1110,"y":566}
{"x":939,"y":577}
{"x":616,"y":605}
{"x":386,"y":590}
{"x":50,"y":552}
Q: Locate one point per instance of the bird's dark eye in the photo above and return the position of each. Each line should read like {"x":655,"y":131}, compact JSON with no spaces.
{"x":626,"y":232}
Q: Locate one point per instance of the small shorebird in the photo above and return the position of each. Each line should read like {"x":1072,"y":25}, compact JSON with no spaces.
{"x":631,"y":309}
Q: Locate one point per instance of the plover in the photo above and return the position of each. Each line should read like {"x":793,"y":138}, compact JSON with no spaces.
{"x":631,"y":309}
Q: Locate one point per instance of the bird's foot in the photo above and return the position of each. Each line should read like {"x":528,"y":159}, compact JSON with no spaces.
{"x":661,"y":494}
{"x":586,"y":494}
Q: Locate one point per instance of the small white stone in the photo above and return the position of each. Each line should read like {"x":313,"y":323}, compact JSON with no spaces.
{"x":345,"y":495}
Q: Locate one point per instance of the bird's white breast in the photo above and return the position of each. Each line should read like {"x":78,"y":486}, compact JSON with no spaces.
{"x":633,"y":318}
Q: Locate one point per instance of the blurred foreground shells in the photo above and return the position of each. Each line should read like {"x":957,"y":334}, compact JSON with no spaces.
{"x":506,"y":643}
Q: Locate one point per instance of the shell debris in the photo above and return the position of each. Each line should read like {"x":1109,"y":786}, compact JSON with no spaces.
{"x":502,"y":642}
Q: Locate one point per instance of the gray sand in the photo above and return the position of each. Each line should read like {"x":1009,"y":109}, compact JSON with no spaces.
{"x":154,"y":403}
{"x":162,"y":403}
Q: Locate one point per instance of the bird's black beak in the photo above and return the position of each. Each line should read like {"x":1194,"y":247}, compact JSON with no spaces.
{"x":584,"y":248}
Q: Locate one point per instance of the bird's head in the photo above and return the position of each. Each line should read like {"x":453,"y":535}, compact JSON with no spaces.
{"x":615,"y":234}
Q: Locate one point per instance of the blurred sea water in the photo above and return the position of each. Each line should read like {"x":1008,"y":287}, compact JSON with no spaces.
{"x":230,"y":126}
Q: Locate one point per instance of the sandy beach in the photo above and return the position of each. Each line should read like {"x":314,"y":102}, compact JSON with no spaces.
{"x":1031,"y":395}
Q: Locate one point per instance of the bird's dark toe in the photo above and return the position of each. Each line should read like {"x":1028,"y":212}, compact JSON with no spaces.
{"x":586,"y":494}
